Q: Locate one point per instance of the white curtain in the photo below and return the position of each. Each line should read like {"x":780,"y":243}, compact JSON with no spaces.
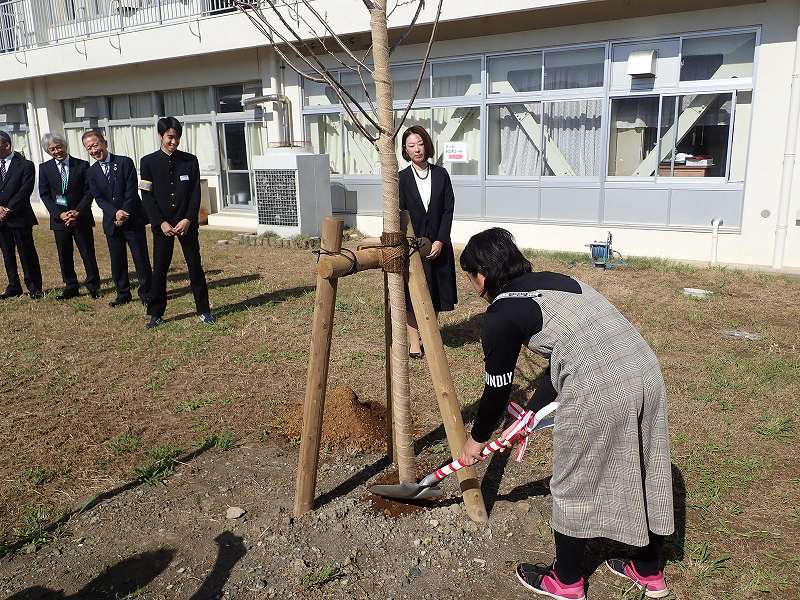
{"x":573,"y":137}
{"x":361,"y":156}
{"x":325,"y":135}
{"x":134,"y":141}
{"x":461,"y":124}
{"x":120,"y":107}
{"x":353,"y":83}
{"x":173,"y":102}
{"x":404,"y":80}
{"x":74,"y":144}
{"x":19,"y":142}
{"x":461,"y":78}
{"x":142,"y":105}
{"x":198,"y":139}
{"x":515,"y":132}
{"x":574,"y":69}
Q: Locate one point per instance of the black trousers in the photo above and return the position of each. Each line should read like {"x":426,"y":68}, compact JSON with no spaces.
{"x":163,"y":247}
{"x":118,"y":244}
{"x":83,"y":238}
{"x":13,"y":240}
{"x":569,"y":556}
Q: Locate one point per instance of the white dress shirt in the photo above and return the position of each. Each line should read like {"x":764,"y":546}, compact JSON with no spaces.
{"x":423,"y":185}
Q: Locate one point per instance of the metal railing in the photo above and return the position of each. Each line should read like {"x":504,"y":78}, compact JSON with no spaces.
{"x":26,"y":24}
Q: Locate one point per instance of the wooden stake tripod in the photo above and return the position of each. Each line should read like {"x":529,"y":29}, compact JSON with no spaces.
{"x":333,"y":265}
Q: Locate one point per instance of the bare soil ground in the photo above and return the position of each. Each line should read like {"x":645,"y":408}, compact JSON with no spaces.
{"x":157,"y":434}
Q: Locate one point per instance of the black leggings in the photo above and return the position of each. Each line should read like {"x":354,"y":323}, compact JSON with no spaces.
{"x":569,"y":557}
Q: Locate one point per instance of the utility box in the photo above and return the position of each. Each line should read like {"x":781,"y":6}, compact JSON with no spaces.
{"x":642,"y":63}
{"x":293,"y":191}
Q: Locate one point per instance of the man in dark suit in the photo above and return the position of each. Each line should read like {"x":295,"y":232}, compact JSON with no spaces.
{"x":114,"y":186}
{"x":65,"y":192}
{"x":170,"y":185}
{"x":17,"y":178}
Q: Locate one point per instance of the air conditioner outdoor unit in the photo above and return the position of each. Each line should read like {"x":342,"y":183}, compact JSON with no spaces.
{"x":642,"y":64}
{"x":293,"y":191}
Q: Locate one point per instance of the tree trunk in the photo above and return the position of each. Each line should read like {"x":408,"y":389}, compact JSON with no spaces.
{"x":401,"y":399}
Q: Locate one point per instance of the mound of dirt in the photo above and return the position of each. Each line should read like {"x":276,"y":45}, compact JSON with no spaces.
{"x":347,"y":423}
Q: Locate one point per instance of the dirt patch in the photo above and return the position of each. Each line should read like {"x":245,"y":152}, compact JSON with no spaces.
{"x":348,"y":422}
{"x":399,"y":508}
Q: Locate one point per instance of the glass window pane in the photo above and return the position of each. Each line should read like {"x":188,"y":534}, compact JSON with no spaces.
{"x":358,"y":86}
{"x":318,"y":94}
{"x":19,"y":139}
{"x":461,"y":78}
{"x":405,"y":78}
{"x":237,"y":192}
{"x":462,"y":126}
{"x":235,"y":147}
{"x":74,"y":144}
{"x":634,"y":136}
{"x":718,"y":57}
{"x":142,"y":105}
{"x":133,"y":140}
{"x":120,"y":107}
{"x":512,"y":74}
{"x":702,"y":132}
{"x":574,"y":68}
{"x":421,"y":117}
{"x":257,"y":139}
{"x":741,"y":135}
{"x":361,"y":156}
{"x":229,"y":98}
{"x":515,"y":135}
{"x":191,"y":101}
{"x":325,"y":134}
{"x":198,"y":139}
{"x":573,"y":138}
{"x":668,"y":131}
{"x":68,"y":107}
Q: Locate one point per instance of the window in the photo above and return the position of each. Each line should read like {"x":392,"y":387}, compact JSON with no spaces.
{"x":130,"y":140}
{"x":132,"y":106}
{"x":573,"y":138}
{"x":189,"y":101}
{"x":85,"y":109}
{"x":360,"y":156}
{"x":74,"y":143}
{"x":460,"y":128}
{"x":230,"y":98}
{"x":404,"y":79}
{"x":515,"y":136}
{"x":702,"y":132}
{"x":741,"y":135}
{"x":198,"y":139}
{"x":318,"y":94}
{"x":718,"y":57}
{"x":14,"y":121}
{"x":359,"y":86}
{"x":325,"y":134}
{"x":515,"y":74}
{"x":570,"y":69}
{"x":634,"y":127}
{"x":457,"y":78}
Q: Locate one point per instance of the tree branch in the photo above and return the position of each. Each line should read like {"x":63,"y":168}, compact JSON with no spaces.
{"x":411,"y":25}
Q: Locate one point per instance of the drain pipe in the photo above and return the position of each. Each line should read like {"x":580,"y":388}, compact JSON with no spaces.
{"x":715,"y":223}
{"x":287,"y":113}
{"x":789,"y":156}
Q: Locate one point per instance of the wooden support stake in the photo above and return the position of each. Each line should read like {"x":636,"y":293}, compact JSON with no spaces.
{"x":442,"y":380}
{"x":331,"y":267}
{"x":317,"y":380}
{"x":387,"y":329}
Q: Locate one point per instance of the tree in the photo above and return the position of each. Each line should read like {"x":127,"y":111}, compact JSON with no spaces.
{"x":296,"y":29}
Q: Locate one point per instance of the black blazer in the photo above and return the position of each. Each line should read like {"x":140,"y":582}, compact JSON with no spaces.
{"x":15,"y":193}
{"x":120,"y":193}
{"x":435,"y":224}
{"x":77,"y":193}
{"x":174,"y":182}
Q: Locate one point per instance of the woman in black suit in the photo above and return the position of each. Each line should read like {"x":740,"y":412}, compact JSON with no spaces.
{"x":427,"y":194}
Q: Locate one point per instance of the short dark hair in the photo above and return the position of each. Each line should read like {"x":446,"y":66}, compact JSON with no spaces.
{"x":494,"y":254}
{"x":426,"y":141}
{"x":93,"y":133}
{"x":5,"y":137}
{"x":166,"y":123}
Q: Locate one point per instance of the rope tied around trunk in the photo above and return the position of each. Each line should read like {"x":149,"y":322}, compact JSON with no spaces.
{"x":394,"y":252}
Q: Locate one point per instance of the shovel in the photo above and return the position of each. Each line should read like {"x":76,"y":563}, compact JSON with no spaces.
{"x":526,"y":423}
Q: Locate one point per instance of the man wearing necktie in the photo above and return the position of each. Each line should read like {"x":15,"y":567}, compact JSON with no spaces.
{"x":64,"y":189}
{"x":114,"y":185}
{"x":17,"y":178}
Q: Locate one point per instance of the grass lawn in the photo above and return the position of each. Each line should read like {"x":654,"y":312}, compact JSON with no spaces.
{"x":91,"y":399}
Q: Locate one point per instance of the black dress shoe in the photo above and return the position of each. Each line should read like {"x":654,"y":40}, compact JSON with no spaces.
{"x":36,"y":295}
{"x":5,"y":295}
{"x":66,"y":295}
{"x":95,"y":294}
{"x":120,"y":301}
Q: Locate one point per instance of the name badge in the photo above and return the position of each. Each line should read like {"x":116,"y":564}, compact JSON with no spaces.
{"x":61,"y":200}
{"x":184,"y":178}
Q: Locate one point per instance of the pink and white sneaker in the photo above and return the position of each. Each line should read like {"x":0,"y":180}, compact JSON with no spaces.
{"x":543,"y":580}
{"x":654,"y":586}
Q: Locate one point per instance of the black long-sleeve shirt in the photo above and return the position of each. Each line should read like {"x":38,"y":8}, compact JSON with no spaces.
{"x":508,"y":324}
{"x":170,"y":186}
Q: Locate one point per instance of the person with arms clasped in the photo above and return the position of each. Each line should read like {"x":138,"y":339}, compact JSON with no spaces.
{"x":114,"y":186}
{"x":170,"y":186}
{"x":427,"y":194}
{"x":612,"y":474}
{"x":64,"y":189}
{"x":17,"y":180}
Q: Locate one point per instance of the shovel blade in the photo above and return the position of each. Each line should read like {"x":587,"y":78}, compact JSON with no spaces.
{"x":407,"y":491}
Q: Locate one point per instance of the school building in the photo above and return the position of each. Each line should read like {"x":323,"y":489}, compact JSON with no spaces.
{"x":672,"y":124}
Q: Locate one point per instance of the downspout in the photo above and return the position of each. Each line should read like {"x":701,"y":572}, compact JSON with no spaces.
{"x":287,"y":111}
{"x":789,"y":156}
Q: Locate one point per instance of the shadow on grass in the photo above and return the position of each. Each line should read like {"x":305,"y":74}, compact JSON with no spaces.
{"x":268,"y":298}
{"x":213,"y":284}
{"x":456,"y":335}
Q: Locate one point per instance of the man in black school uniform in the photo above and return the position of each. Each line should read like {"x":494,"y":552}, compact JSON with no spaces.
{"x":114,"y":186}
{"x":17,"y":178}
{"x":65,"y":192}
{"x":170,"y":185}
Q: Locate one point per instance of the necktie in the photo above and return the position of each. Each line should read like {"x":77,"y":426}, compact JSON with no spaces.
{"x":63,"y":177}
{"x":107,"y":171}
{"x":2,"y":169}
